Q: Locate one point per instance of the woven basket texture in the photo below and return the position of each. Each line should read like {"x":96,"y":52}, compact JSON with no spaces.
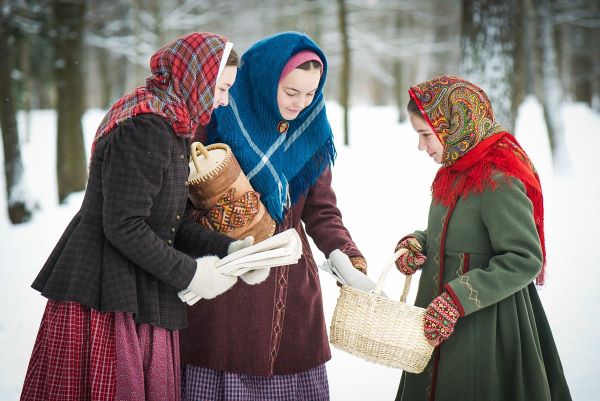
{"x":380,"y":330}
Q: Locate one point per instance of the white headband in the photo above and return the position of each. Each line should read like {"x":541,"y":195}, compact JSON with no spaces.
{"x":226,"y":51}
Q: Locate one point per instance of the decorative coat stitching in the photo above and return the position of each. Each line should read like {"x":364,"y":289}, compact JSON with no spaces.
{"x":461,"y":264}
{"x":474,"y":294}
{"x":436,"y":258}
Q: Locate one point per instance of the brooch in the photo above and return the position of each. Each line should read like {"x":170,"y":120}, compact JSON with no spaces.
{"x":282,"y":127}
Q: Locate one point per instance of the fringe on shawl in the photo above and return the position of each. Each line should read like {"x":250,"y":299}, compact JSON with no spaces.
{"x":311,"y":171}
{"x":303,"y":180}
{"x":451,"y":183}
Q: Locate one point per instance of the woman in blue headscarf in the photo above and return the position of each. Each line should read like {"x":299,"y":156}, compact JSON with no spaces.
{"x":269,"y":340}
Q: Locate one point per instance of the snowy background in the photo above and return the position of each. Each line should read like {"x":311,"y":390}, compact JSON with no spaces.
{"x":382,"y":171}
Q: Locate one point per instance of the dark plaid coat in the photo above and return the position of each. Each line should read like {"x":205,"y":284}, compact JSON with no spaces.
{"x":130,"y":247}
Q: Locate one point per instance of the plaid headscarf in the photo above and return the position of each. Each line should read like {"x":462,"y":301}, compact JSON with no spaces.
{"x":475,"y":146}
{"x":181,"y":88}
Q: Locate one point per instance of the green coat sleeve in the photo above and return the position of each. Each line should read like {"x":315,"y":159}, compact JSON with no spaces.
{"x":507,"y":214}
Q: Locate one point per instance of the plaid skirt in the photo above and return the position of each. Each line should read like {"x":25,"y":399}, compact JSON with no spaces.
{"x":202,"y":384}
{"x":84,"y":355}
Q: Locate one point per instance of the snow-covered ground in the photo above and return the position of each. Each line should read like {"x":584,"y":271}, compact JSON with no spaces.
{"x":382,"y":183}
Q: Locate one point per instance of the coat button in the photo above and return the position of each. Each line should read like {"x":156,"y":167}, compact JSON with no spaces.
{"x":169,"y":242}
{"x":172,"y":229}
{"x":182,"y":157}
{"x":186,"y":184}
{"x":178,"y":217}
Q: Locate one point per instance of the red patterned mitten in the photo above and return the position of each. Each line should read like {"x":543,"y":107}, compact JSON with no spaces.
{"x":412,"y":260}
{"x":440,"y":318}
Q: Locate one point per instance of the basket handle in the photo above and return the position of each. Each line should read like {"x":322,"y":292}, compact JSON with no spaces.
{"x":382,"y":277}
{"x":194,"y":148}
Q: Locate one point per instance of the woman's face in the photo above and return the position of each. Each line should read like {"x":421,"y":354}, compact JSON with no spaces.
{"x":428,"y":140}
{"x":296,"y":91}
{"x":225,"y":82}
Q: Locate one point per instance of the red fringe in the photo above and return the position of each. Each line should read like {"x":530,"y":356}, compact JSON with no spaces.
{"x":475,"y":171}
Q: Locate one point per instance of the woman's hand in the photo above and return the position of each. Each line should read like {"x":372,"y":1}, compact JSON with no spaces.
{"x":240,"y":244}
{"x":440,"y":317}
{"x":359,"y":263}
{"x":409,"y":262}
{"x":208,"y":282}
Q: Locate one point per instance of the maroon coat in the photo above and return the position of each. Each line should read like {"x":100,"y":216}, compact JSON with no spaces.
{"x":278,"y":326}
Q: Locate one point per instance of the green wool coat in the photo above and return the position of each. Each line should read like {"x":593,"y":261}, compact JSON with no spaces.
{"x":502,"y":349}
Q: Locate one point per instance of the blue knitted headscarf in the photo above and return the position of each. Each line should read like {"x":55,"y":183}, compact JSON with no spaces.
{"x":281,"y":167}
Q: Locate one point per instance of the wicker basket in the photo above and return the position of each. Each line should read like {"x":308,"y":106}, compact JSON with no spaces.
{"x":379,"y":329}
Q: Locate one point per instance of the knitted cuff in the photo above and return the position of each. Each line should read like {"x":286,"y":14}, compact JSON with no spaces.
{"x":440,"y":317}
{"x":455,"y":299}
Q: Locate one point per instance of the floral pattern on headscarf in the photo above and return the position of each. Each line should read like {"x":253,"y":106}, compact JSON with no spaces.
{"x":459,"y":112}
{"x":181,"y":88}
{"x":476,"y":147}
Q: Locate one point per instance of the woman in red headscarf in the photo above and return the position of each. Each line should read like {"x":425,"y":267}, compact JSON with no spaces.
{"x":110,"y":328}
{"x":480,"y":254}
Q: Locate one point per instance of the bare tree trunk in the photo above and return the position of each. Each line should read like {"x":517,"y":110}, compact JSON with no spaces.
{"x":42,"y":73}
{"x":398,"y":70}
{"x":591,"y":48}
{"x":70,"y":152}
{"x":24,"y":65}
{"x":139,"y":71}
{"x":489,"y":44}
{"x":552,"y":91}
{"x":106,"y":68}
{"x":399,"y":97}
{"x":581,"y":67}
{"x":525,"y":62}
{"x":564,"y":54}
{"x":424,"y":60}
{"x":596,"y":75}
{"x":18,"y":212}
{"x":346,"y":66}
{"x":314,"y":20}
{"x":159,"y":29}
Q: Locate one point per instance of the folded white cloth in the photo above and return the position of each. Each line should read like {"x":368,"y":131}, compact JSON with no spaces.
{"x":341,"y":268}
{"x":284,"y":248}
{"x":252,"y":263}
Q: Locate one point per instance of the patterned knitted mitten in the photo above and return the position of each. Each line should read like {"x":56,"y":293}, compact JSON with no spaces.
{"x":440,"y":318}
{"x":412,"y":260}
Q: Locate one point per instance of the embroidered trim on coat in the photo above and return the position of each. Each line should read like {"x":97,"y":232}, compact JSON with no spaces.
{"x":463,"y":265}
{"x":474,"y":294}
{"x":436,"y":259}
{"x":278,"y":311}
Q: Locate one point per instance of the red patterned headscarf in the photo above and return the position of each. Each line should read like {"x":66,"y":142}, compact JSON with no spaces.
{"x":181,"y":88}
{"x":476,"y":147}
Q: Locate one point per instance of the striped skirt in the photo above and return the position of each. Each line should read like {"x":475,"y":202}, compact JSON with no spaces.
{"x":84,"y":355}
{"x":200,"y":384}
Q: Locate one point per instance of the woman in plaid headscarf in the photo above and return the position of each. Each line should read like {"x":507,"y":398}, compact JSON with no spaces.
{"x":110,"y":328}
{"x":480,"y":254}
